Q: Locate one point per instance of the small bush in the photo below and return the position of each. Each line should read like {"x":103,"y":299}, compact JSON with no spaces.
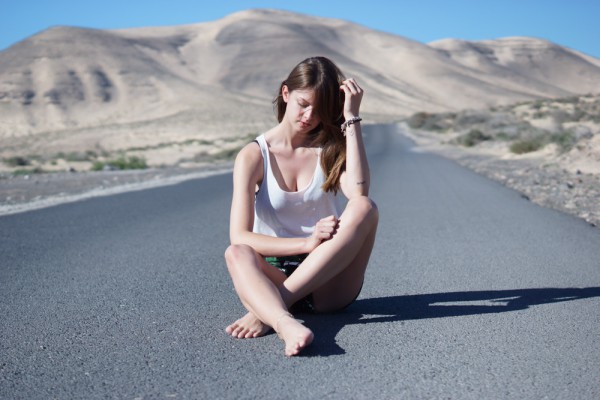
{"x":469,"y":118}
{"x":578,"y":115}
{"x":505,"y":137}
{"x":538,"y":115}
{"x":121,"y":163}
{"x":75,"y":156}
{"x":17,"y":161}
{"x":560,"y":116}
{"x":431,"y":122}
{"x":527,"y":145}
{"x":36,"y":170}
{"x":436,"y":126}
{"x":571,"y":100}
{"x":564,"y":140}
{"x":474,"y":137}
{"x":417,"y":120}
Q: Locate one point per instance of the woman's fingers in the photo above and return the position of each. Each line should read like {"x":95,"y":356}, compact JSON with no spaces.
{"x":328,"y":218}
{"x":330,"y":221}
{"x":327,"y":230}
{"x":353,"y":94}
{"x":352,"y":86}
{"x":327,"y":223}
{"x":347,"y":90}
{"x":326,"y":227}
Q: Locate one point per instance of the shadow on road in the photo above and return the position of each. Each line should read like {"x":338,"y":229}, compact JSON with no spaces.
{"x":436,"y":305}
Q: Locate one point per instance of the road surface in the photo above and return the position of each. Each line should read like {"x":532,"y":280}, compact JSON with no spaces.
{"x":472,"y":292}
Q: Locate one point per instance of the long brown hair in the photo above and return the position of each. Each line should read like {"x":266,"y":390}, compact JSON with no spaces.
{"x":325,"y":78}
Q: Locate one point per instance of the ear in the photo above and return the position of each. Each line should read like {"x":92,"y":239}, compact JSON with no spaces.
{"x":285,"y":93}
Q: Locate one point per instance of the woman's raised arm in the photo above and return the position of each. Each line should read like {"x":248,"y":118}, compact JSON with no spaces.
{"x":356,"y":179}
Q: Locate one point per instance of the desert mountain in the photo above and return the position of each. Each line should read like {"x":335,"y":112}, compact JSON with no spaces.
{"x":70,"y":88}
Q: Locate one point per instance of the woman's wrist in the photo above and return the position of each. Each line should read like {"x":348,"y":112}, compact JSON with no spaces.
{"x":348,"y":124}
{"x":306,"y":245}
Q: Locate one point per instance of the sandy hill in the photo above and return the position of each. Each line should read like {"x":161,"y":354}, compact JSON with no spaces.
{"x":74,"y":89}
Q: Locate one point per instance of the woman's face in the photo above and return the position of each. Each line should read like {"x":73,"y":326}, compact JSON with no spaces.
{"x":300,"y":110}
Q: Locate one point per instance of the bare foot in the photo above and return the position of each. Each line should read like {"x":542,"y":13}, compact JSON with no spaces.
{"x":247,"y":327}
{"x":295,"y":335}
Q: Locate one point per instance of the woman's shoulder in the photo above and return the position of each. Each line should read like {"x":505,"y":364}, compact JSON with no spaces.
{"x":249,"y":157}
{"x":250,"y":151}
{"x":248,"y":166}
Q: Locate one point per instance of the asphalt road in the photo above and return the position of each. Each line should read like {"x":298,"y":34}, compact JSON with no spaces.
{"x":473,"y":292}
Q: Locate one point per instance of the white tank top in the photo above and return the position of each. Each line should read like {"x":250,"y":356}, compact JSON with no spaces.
{"x":290,"y":214}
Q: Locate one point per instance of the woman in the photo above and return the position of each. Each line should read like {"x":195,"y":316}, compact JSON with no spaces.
{"x":291,"y":250}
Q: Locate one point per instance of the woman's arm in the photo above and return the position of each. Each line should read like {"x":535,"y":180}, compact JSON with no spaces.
{"x":355,"y":181}
{"x":247,"y":172}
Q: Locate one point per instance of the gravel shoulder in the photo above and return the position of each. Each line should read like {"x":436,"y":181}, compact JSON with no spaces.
{"x":19,"y":193}
{"x":548,"y":184}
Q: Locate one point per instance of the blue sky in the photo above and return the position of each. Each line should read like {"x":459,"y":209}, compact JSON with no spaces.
{"x":571,"y":23}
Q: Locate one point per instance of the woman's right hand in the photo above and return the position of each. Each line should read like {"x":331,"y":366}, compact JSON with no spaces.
{"x":324,"y":230}
{"x":352,"y":97}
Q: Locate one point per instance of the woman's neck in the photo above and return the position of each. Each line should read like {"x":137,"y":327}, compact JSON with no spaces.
{"x":286,"y":136}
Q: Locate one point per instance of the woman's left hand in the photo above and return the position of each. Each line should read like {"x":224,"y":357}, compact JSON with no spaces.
{"x":353,"y":96}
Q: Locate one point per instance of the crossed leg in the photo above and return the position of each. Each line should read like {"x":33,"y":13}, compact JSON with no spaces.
{"x":333,"y":272}
{"x":261,"y":298}
{"x":249,"y":326}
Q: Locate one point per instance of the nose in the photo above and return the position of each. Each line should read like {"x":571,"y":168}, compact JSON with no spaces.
{"x":308,"y":113}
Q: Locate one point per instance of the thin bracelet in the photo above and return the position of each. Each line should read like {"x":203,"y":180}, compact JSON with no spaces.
{"x":351,"y":121}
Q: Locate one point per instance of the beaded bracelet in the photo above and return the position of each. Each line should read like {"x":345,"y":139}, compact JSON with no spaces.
{"x":351,"y":121}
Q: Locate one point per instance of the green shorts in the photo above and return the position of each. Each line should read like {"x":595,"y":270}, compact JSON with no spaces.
{"x":287,"y":265}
